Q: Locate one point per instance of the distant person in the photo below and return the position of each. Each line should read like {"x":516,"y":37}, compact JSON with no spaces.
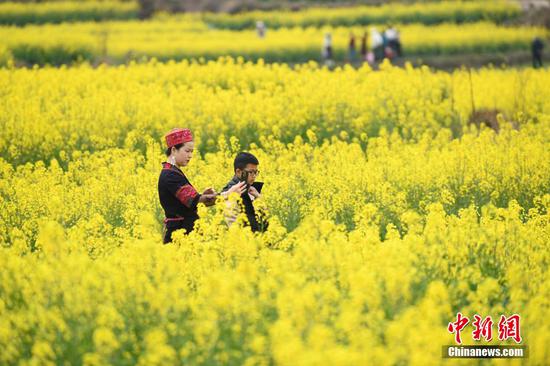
{"x":536,"y":49}
{"x":260,"y":28}
{"x":364,"y":47}
{"x":377,"y":45}
{"x":352,"y":51}
{"x":392,"y":40}
{"x":327,"y":50}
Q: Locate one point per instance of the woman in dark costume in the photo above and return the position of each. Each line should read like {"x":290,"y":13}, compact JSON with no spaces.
{"x":178,"y":197}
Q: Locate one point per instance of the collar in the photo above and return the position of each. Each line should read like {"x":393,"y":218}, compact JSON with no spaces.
{"x":167,"y":166}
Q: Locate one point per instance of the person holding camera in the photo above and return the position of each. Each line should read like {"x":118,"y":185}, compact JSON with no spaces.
{"x":244,"y":183}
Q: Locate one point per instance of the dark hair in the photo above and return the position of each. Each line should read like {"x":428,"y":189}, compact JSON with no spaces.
{"x":244,"y":158}
{"x":169,"y":150}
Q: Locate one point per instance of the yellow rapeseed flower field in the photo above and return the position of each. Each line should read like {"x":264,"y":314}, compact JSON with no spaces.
{"x":20,"y":13}
{"x":430,"y":12}
{"x":426,"y":12}
{"x":185,"y":37}
{"x":389,"y":213}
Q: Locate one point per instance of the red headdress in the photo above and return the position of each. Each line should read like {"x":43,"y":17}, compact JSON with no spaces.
{"x":178,"y":136}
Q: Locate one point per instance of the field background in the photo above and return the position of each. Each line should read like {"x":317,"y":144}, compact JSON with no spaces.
{"x":398,"y":195}
{"x":444,"y":34}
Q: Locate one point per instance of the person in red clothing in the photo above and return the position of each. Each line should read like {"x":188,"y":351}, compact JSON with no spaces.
{"x":178,"y":197}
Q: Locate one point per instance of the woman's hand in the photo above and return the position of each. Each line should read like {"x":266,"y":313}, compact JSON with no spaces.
{"x":208,"y":197}
{"x":238,"y":188}
{"x":209,"y":191}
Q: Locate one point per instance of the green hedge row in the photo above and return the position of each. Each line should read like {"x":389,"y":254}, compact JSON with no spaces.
{"x":65,"y":11}
{"x":425,"y":13}
{"x":28,"y":55}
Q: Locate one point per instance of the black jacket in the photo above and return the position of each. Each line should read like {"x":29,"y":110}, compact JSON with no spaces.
{"x":255,"y":223}
{"x":179,"y":200}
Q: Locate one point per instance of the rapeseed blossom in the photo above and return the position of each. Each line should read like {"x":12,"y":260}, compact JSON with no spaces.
{"x":389,"y":213}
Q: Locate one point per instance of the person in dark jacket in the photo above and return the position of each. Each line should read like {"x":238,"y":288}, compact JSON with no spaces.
{"x":352,"y":48}
{"x":536,"y":49}
{"x":364,"y":47}
{"x":244,"y":182}
{"x":177,"y":196}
